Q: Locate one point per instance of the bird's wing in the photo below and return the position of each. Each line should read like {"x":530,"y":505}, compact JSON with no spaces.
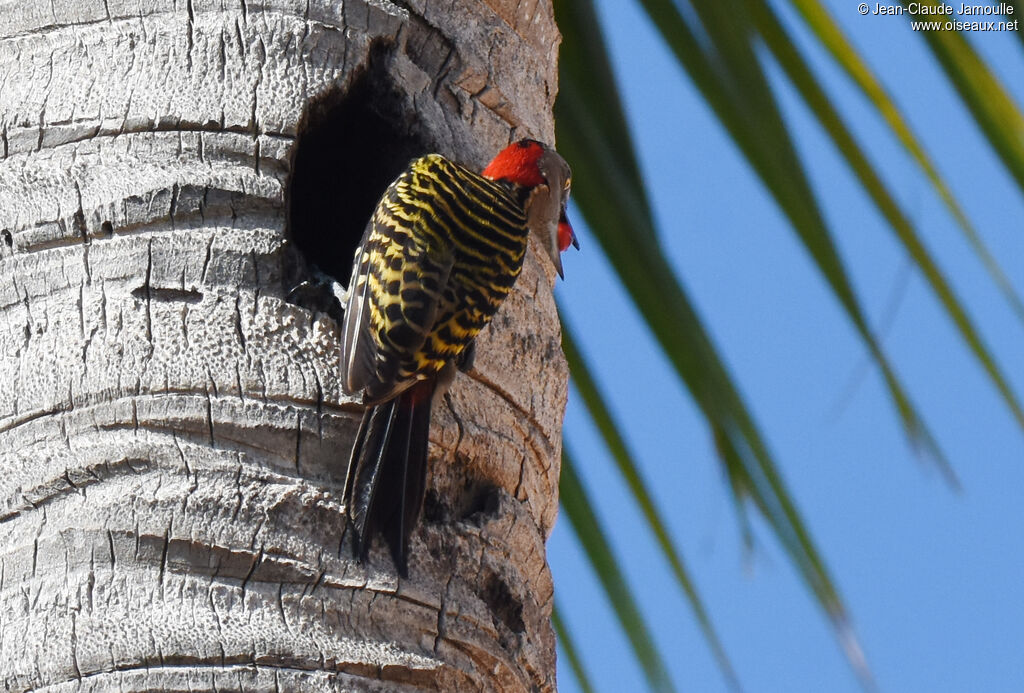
{"x":400,"y":271}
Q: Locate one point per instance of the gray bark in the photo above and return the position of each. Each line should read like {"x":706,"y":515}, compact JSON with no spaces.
{"x":172,"y":431}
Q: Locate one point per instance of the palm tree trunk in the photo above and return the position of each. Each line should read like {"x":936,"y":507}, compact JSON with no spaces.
{"x":172,"y":433}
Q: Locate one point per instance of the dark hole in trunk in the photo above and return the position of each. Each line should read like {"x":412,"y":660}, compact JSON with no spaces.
{"x":350,"y":146}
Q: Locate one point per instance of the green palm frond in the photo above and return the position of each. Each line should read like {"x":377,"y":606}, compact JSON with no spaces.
{"x":585,"y":523}
{"x":592,"y":135}
{"x":992,"y":107}
{"x":784,"y":50}
{"x":732,"y":80}
{"x":594,"y":401}
{"x":571,"y":653}
{"x":831,"y":37}
{"x":717,"y":43}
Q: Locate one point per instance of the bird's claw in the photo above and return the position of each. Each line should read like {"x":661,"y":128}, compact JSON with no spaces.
{"x":320,"y":293}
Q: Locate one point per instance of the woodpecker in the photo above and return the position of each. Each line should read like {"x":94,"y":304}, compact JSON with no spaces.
{"x":439,"y":255}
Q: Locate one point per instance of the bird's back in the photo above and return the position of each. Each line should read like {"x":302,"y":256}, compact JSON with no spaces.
{"x":440,"y":254}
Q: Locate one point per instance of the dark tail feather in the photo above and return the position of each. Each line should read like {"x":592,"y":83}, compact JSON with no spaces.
{"x":364,"y":471}
{"x":387,"y":472}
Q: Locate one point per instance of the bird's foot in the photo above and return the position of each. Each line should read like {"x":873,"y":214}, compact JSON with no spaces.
{"x":320,"y":293}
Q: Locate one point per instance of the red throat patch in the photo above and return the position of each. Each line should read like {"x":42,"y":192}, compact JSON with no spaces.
{"x":517,"y":163}
{"x":565,"y":236}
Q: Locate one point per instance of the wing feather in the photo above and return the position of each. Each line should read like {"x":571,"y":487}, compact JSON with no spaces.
{"x":356,"y":359}
{"x":400,"y":271}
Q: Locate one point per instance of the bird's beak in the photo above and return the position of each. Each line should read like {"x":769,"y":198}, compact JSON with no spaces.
{"x":546,"y":208}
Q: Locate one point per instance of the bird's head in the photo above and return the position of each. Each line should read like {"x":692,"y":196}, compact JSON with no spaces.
{"x":535,"y":166}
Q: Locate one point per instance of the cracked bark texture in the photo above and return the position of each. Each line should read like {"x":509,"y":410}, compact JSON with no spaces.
{"x":172,"y":431}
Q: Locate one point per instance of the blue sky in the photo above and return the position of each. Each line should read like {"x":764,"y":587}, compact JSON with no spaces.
{"x":933,"y":579}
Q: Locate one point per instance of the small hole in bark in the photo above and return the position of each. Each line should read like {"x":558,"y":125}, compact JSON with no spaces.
{"x":505,"y":608}
{"x":476,"y":504}
{"x":351,"y":145}
{"x":434,"y":510}
{"x":107,"y":229}
{"x":480,"y":502}
{"x":149,"y":293}
{"x":78,"y":224}
{"x":8,"y":238}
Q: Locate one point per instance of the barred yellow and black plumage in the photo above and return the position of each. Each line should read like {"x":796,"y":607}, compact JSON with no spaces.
{"x":439,"y":256}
